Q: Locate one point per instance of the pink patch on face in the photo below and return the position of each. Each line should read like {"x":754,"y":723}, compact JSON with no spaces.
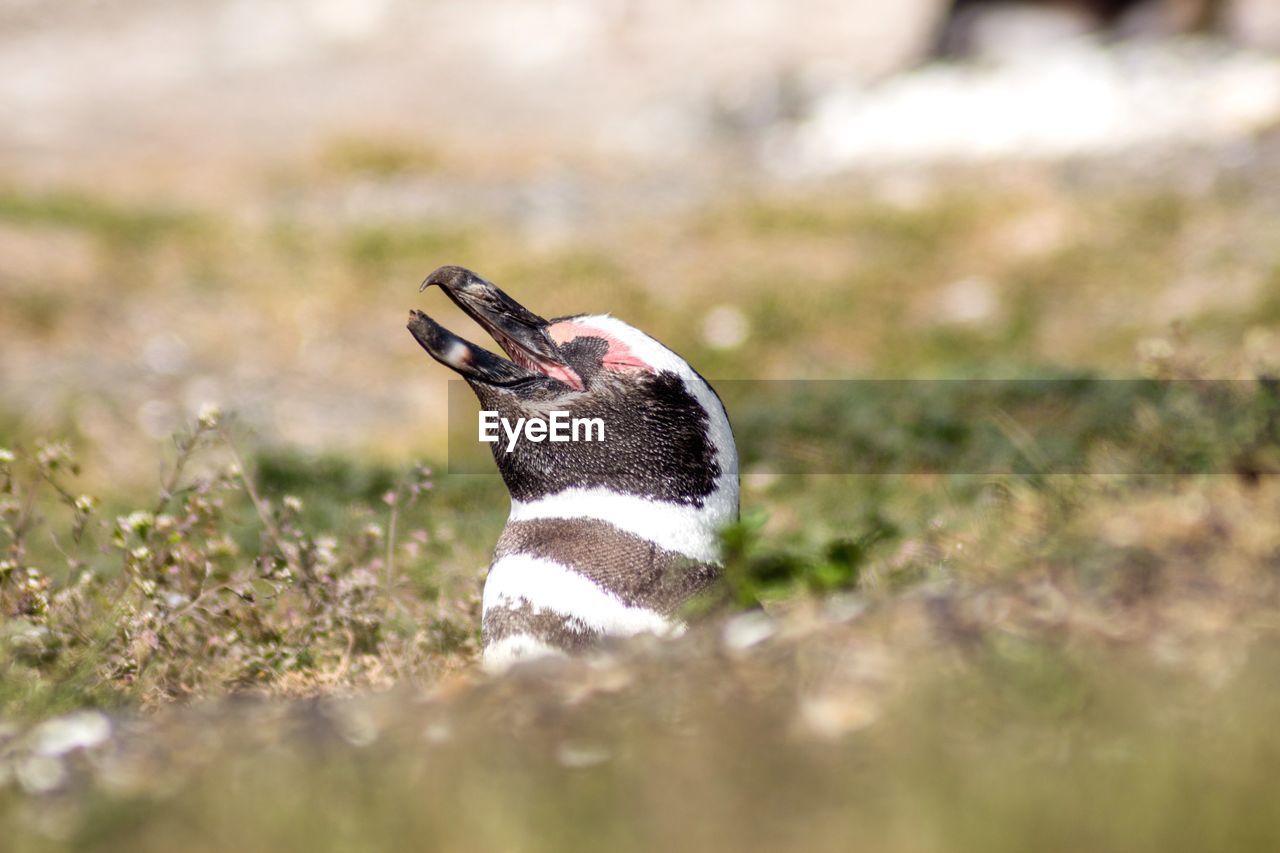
{"x":618,"y":356}
{"x":564,"y":374}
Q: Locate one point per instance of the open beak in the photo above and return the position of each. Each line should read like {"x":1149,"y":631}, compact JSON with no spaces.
{"x":521,"y":334}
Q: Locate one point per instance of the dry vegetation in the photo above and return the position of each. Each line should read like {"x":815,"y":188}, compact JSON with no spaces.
{"x":996,"y":659}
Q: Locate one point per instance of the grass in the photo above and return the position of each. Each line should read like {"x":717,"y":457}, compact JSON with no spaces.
{"x":112,"y":222}
{"x":214,"y":584}
{"x":967,"y":641}
{"x":377,"y":157}
{"x":1067,"y":661}
{"x":988,"y":740}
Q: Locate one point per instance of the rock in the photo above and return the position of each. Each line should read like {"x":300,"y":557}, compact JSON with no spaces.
{"x":1255,"y":23}
{"x":731,"y":42}
{"x":1072,"y":100}
{"x":586,"y":78}
{"x":746,"y":630}
{"x":1158,"y":18}
{"x":78,"y":730}
{"x":1003,"y":30}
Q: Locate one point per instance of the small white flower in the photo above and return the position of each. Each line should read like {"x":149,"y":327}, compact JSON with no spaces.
{"x":136,"y":521}
{"x":6,"y":456}
{"x":53,"y":455}
{"x":209,"y":415}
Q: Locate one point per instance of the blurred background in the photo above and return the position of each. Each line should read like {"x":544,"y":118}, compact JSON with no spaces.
{"x":233,"y":202}
{"x":229,"y":204}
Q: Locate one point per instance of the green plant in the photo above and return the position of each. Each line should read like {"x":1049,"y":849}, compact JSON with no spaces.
{"x":213,"y":585}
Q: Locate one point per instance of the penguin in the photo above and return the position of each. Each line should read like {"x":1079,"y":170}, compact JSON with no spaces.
{"x":606,"y":538}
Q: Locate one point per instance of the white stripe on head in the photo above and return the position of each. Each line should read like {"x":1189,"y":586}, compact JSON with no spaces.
{"x":546,"y":586}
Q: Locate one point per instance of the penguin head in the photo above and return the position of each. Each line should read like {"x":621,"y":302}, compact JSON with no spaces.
{"x":666,"y":436}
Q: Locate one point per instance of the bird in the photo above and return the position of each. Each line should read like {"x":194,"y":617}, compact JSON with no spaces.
{"x":606,"y":538}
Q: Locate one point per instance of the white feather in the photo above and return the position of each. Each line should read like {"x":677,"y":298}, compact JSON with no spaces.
{"x":544,"y":585}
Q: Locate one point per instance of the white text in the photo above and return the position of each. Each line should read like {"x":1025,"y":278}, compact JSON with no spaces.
{"x":559,"y":426}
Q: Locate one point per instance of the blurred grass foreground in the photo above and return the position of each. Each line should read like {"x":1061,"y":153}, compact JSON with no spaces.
{"x":240,"y":571}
